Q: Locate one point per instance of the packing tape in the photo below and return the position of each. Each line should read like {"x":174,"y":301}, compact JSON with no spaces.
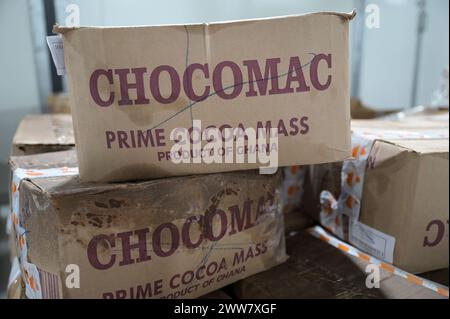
{"x":323,"y":235}
{"x":29,"y":271}
{"x":336,"y":214}
{"x":333,"y":211}
{"x":292,"y":187}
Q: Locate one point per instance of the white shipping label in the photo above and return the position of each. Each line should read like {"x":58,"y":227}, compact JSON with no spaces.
{"x":372,"y":241}
{"x":55,"y":44}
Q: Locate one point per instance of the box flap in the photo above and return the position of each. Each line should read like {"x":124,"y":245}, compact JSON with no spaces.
{"x":45,"y":129}
{"x":419,"y":135}
{"x":58,"y":29}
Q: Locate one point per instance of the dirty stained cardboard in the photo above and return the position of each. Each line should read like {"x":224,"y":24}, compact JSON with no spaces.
{"x":129,"y":87}
{"x":177,"y":237}
{"x":58,"y":103}
{"x":41,"y":133}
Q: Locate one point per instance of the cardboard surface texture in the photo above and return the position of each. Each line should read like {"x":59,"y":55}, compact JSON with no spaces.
{"x":130,"y":87}
{"x":404,"y":192}
{"x":58,"y":103}
{"x":177,"y":237}
{"x":43,"y":133}
{"x":292,"y":194}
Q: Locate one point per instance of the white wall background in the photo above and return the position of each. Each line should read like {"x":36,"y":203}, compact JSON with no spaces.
{"x":387,"y":54}
{"x":19,"y":92}
{"x":434,"y":50}
{"x":120,"y":12}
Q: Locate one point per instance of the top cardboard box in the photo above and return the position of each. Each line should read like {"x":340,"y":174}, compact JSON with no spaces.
{"x":130,"y":87}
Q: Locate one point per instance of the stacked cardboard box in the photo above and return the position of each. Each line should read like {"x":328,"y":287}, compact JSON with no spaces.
{"x":37,"y":133}
{"x":293,"y":189}
{"x":392,"y":200}
{"x":168,"y":238}
{"x":58,"y":103}
{"x":43,"y":133}
{"x":40,"y":133}
{"x":81,"y":236}
{"x":127,"y":105}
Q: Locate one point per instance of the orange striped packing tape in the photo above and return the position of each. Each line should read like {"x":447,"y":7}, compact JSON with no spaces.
{"x":322,"y":234}
{"x":30,"y":273}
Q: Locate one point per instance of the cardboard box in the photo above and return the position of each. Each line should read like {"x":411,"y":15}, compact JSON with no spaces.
{"x":293,"y":188}
{"x":41,"y":133}
{"x":360,"y":111}
{"x":292,"y":194}
{"x":317,"y":270}
{"x":131,"y":87}
{"x":58,"y":103}
{"x":16,"y":288}
{"x":170,"y":238}
{"x":392,"y":200}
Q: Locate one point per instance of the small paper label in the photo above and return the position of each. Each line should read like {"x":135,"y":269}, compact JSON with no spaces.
{"x":55,"y":44}
{"x":372,"y":241}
